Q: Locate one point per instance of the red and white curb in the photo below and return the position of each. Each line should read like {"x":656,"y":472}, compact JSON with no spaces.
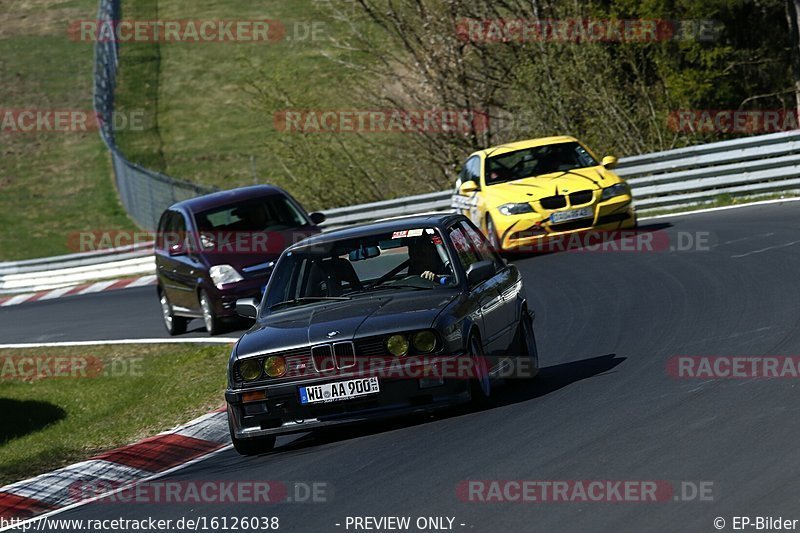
{"x":87,"y":288}
{"x":117,"y":468}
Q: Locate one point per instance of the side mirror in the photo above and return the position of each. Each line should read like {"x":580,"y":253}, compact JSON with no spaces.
{"x":479,"y":272}
{"x":177,"y":249}
{"x":247,"y":308}
{"x":467,"y":188}
{"x":317,"y":218}
{"x":610,"y":162}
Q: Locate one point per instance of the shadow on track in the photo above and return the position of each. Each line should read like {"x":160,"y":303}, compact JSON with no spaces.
{"x":550,"y":379}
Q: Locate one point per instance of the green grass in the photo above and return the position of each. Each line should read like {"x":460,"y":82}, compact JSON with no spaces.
{"x":212,"y":105}
{"x":51,"y":184}
{"x":49,"y":423}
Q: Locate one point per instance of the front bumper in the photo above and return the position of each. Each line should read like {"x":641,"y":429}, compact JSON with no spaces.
{"x":520,"y":232}
{"x":282,"y":413}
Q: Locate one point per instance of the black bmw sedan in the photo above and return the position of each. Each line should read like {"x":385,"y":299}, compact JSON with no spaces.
{"x":395,"y":317}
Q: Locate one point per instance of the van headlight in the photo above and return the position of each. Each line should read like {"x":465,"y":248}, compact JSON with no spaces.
{"x":615,"y":190}
{"x":223,"y":275}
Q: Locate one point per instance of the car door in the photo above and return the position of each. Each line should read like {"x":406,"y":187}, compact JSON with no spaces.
{"x":167,"y":262}
{"x":179,"y":266}
{"x":188,"y":265}
{"x":486,"y":293}
{"x":508,"y":283}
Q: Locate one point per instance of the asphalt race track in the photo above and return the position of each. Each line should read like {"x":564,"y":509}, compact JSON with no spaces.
{"x":604,"y":408}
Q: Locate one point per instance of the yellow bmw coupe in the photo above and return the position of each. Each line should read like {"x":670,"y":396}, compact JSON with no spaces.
{"x":525,"y":192}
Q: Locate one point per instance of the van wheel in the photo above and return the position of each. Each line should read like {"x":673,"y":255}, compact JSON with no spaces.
{"x":176,"y":325}
{"x":213,"y":322}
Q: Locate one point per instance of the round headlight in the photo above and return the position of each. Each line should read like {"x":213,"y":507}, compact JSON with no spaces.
{"x":250,"y":369}
{"x":425,"y":341}
{"x":275,"y":366}
{"x":397,"y":345}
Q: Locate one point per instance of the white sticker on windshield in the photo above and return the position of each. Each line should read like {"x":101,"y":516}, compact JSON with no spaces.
{"x":415,"y":232}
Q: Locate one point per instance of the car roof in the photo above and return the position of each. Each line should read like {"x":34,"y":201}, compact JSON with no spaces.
{"x":520,"y":145}
{"x":381,"y":226}
{"x":222,"y":198}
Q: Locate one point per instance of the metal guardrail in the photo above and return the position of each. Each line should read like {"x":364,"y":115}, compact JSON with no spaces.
{"x":747,"y":166}
{"x":145,"y":194}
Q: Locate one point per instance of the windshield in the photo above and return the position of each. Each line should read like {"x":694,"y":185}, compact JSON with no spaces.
{"x":414,"y":259}
{"x":537,"y":161}
{"x":273,"y":212}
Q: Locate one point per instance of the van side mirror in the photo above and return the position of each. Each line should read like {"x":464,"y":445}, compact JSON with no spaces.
{"x":247,"y":308}
{"x":317,"y":218}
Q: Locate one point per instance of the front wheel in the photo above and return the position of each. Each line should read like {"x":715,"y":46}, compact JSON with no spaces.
{"x":481,"y":385}
{"x":176,"y":325}
{"x":528,"y":346}
{"x":210,"y":319}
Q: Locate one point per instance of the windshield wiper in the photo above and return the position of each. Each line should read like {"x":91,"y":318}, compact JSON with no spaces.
{"x":305,"y":299}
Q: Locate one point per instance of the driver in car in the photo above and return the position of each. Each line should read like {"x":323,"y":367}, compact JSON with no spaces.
{"x":426,"y":261}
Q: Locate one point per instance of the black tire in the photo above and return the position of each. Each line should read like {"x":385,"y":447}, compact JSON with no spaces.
{"x":254,"y":446}
{"x":212,"y":322}
{"x":175,"y":325}
{"x":527,"y":344}
{"x":492,"y":234}
{"x":480,"y":384}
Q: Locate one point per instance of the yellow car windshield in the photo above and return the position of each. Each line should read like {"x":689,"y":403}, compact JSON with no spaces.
{"x":537,"y":161}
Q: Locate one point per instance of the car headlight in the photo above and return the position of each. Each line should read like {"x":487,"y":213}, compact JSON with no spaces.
{"x":424,"y":341}
{"x":615,"y":190}
{"x":397,"y":345}
{"x":515,"y":209}
{"x":224,"y":274}
{"x":275,"y":366}
{"x":250,"y":369}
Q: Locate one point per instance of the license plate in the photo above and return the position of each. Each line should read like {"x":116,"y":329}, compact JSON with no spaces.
{"x":340,"y":390}
{"x":574,"y":214}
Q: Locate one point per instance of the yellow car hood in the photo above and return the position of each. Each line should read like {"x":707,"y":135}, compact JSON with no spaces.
{"x":538,"y":187}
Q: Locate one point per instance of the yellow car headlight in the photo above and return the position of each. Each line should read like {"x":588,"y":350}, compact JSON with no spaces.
{"x":424,"y":341}
{"x":397,"y":345}
{"x":250,"y":369}
{"x":275,"y":366}
{"x":618,"y":189}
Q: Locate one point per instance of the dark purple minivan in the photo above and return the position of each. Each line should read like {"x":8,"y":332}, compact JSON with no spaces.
{"x":214,"y":249}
